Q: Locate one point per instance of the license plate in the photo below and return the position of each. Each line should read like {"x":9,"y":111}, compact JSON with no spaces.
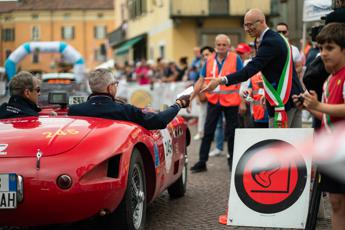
{"x":8,"y":191}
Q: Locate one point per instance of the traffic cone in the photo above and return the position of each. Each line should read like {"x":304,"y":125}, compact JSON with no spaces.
{"x":223,"y":219}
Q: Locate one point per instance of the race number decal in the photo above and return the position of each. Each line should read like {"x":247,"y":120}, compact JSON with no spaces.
{"x":156,"y":152}
{"x":168,"y":151}
{"x":273,"y":186}
{"x":60,"y":132}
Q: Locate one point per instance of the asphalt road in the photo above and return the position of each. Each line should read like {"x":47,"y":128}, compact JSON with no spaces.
{"x":206,"y":198}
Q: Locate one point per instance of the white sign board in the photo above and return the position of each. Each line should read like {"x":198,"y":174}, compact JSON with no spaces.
{"x":267,"y":188}
{"x":313,"y":10}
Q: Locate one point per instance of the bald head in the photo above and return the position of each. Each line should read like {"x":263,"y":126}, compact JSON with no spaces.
{"x":254,"y":22}
{"x":222,"y":44}
{"x":255,"y":14}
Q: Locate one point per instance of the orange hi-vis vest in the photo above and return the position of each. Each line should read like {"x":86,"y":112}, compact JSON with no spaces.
{"x":225,"y":95}
{"x":258,"y":109}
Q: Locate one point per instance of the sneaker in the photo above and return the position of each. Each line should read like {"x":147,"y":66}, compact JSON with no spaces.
{"x":199,"y":167}
{"x":215,"y":152}
{"x":198,"y":136}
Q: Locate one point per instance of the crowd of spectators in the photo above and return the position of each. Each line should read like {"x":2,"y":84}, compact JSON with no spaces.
{"x":161,"y":70}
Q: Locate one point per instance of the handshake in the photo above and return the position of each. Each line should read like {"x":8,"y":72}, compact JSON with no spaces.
{"x":183,"y":99}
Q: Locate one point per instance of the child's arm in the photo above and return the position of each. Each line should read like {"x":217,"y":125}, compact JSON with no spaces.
{"x":334,"y":110}
{"x":317,"y":108}
{"x":315,"y":113}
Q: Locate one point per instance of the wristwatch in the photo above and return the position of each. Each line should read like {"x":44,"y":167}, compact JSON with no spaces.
{"x":223,"y":81}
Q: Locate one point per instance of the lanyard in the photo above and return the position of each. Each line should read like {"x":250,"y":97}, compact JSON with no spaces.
{"x":217,"y":89}
{"x":326,"y":117}
{"x":216,"y":64}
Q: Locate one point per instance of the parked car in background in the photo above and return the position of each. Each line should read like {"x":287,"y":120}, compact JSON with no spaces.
{"x":63,"y":82}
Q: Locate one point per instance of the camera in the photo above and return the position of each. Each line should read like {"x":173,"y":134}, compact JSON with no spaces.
{"x":301,"y":99}
{"x":315,"y":30}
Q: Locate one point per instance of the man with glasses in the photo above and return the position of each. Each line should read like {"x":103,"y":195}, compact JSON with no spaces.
{"x":283,"y":29}
{"x":102,"y":103}
{"x":24,"y":91}
{"x":273,"y":55}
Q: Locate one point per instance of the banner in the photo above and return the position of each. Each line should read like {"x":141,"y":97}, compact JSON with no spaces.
{"x":313,"y":10}
{"x":70,"y":54}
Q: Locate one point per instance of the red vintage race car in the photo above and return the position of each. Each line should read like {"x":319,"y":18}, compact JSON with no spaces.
{"x":61,"y":169}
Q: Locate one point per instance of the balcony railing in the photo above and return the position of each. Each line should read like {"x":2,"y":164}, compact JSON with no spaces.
{"x":117,"y":36}
{"x":200,"y":8}
{"x":188,"y":8}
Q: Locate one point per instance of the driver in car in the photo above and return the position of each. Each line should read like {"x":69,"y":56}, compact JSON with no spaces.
{"x":102,"y":103}
{"x":24,"y":91}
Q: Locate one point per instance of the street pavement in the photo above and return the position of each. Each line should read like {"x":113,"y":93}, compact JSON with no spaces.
{"x":206,"y":198}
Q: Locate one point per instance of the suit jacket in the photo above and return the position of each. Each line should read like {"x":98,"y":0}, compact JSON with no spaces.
{"x":104,"y":106}
{"x":270,"y":60}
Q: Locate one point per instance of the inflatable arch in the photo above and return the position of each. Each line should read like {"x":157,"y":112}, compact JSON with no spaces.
{"x":71,"y":55}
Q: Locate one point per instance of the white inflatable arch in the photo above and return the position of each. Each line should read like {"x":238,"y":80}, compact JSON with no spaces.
{"x":71,"y":55}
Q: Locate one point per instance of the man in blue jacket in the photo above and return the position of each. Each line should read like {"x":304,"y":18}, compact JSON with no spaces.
{"x":274,"y":60}
{"x":102,"y":103}
{"x":24,"y":91}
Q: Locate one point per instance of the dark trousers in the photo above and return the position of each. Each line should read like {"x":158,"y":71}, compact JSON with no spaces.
{"x":260,"y":124}
{"x":232,"y":122}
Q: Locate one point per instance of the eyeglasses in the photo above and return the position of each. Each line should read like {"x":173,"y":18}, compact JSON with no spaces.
{"x":38,"y":89}
{"x":282,"y":31}
{"x":250,"y":25}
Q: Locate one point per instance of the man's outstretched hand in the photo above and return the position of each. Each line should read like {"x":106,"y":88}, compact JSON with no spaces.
{"x":214,"y":82}
{"x":183,"y":101}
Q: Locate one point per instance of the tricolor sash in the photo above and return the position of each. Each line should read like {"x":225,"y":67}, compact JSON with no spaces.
{"x":327,"y":122}
{"x":278,"y":97}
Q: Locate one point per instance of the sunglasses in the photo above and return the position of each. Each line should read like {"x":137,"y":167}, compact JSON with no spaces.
{"x":282,"y":31}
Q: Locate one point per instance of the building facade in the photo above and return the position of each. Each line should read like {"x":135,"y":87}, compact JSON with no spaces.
{"x":83,"y":24}
{"x":170,"y":29}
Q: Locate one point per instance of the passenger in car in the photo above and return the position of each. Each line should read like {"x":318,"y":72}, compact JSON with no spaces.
{"x":24,"y":91}
{"x":102,"y":103}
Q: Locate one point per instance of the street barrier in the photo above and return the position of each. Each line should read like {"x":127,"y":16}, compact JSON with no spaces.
{"x":156,"y":95}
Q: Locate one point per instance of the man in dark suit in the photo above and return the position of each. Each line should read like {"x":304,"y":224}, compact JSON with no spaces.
{"x":272,"y":56}
{"x":102,"y":103}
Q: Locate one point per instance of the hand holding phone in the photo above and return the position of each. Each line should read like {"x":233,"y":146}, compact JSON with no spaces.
{"x":301,"y":98}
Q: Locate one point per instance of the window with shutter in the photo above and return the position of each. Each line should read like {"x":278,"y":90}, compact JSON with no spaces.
{"x":67,"y":32}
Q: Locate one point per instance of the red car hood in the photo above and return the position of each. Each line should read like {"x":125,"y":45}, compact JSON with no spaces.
{"x":23,"y":137}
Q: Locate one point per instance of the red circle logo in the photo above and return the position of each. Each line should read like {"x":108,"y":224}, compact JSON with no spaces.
{"x":270,"y":178}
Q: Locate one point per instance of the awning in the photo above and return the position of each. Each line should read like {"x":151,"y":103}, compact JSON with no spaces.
{"x":123,"y":49}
